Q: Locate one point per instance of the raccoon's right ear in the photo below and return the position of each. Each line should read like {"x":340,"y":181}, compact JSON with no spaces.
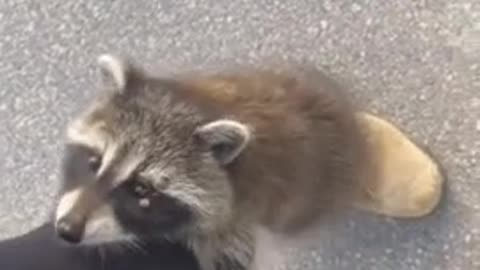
{"x":226,"y":139}
{"x":116,"y":72}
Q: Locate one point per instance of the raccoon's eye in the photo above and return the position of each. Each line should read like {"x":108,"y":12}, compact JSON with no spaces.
{"x":94,"y":163}
{"x":140,"y":189}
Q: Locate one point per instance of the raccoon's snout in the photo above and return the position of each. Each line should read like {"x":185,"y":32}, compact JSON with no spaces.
{"x":72,"y":214}
{"x":70,"y":230}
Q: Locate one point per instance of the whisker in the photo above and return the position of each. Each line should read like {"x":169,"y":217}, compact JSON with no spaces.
{"x":136,"y":245}
{"x":103,"y":256}
{"x":117,"y":248}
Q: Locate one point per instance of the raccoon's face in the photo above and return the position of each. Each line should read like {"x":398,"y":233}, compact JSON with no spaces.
{"x":141,"y":163}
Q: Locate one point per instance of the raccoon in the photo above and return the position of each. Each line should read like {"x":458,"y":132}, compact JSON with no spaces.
{"x":204,"y":159}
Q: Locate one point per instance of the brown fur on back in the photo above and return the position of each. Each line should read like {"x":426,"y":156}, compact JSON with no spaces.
{"x":305,"y":144}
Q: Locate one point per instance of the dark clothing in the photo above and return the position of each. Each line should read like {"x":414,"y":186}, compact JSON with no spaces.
{"x":40,"y":250}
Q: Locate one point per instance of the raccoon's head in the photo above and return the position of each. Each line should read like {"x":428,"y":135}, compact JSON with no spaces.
{"x":143,"y":162}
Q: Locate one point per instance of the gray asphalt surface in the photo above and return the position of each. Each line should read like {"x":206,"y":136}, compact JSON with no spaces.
{"x":417,"y":62}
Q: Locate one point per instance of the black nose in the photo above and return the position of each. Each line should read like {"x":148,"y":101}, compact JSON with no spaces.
{"x":69,"y":231}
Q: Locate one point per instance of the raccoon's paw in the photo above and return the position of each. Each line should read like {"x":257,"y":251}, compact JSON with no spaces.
{"x":402,"y":180}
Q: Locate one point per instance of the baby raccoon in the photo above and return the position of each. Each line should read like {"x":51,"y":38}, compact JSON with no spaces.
{"x":205,"y":159}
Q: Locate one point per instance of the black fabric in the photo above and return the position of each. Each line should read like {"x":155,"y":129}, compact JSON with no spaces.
{"x":40,"y":250}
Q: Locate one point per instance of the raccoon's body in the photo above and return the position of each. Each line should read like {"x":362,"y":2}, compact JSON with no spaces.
{"x":206,"y":159}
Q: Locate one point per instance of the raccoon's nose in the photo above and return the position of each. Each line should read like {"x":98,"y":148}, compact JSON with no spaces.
{"x":69,"y":231}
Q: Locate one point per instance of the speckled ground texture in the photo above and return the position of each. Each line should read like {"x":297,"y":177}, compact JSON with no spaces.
{"x":416,"y":62}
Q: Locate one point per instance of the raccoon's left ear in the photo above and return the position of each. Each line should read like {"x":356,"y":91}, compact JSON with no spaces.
{"x":117,"y":72}
{"x":226,"y":139}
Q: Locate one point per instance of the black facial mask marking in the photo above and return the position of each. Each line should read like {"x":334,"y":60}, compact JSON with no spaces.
{"x":138,"y":207}
{"x":164,"y":215}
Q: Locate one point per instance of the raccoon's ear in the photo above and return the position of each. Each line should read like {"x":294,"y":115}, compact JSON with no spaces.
{"x":225,"y":138}
{"x":116,"y":71}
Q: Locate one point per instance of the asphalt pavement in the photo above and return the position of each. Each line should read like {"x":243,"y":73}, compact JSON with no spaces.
{"x":415,"y":62}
